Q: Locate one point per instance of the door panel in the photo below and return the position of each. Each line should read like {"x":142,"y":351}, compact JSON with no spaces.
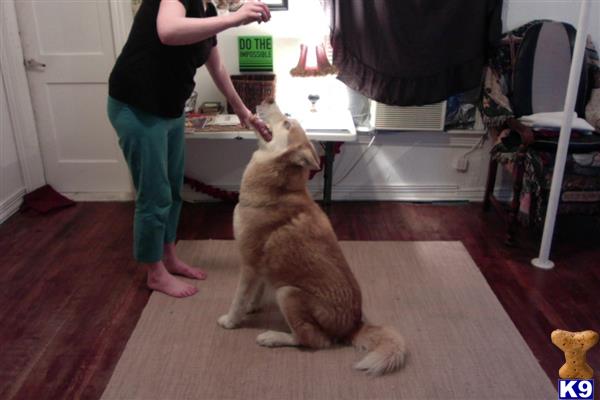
{"x":71,"y":104}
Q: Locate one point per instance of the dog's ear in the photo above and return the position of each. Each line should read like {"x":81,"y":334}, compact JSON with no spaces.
{"x":306,"y":157}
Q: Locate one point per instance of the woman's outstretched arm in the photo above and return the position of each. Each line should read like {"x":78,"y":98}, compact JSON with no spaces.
{"x":175,"y":29}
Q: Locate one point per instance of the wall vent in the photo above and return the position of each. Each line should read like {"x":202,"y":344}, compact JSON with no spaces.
{"x":415,"y":118}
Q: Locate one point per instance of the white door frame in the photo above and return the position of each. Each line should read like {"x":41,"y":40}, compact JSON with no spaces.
{"x":17,"y":87}
{"x":19,"y":101}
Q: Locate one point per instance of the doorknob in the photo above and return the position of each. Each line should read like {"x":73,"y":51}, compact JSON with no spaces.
{"x":31,"y":63}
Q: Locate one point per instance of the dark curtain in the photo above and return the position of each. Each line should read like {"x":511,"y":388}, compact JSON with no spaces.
{"x":412,"y":52}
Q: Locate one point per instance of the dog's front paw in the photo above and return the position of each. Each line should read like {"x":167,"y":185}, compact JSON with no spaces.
{"x":225,"y":322}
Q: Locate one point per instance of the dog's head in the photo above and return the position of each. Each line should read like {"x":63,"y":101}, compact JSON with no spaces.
{"x":289,"y":141}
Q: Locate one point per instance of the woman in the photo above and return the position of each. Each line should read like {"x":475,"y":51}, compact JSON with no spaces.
{"x":148,"y":87}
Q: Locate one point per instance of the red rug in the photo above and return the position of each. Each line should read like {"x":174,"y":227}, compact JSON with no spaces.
{"x":45,"y":199}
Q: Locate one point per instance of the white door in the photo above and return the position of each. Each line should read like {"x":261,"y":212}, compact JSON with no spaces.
{"x":69,"y":52}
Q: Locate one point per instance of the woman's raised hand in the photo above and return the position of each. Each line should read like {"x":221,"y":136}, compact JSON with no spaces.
{"x":252,"y":11}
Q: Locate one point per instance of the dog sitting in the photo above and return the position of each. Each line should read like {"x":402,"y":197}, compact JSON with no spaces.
{"x":287,"y":242}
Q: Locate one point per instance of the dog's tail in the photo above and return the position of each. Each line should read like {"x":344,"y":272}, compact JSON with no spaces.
{"x":385,"y":346}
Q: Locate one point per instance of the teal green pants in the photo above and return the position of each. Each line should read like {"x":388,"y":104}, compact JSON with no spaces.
{"x":154,"y":150}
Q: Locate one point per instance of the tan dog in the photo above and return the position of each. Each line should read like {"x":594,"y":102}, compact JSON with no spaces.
{"x":287,"y":242}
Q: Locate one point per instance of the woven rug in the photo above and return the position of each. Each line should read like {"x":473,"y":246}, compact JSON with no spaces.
{"x":462,"y":344}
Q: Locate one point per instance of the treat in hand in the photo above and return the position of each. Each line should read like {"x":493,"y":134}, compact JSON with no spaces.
{"x":252,"y":11}
{"x":260,"y":127}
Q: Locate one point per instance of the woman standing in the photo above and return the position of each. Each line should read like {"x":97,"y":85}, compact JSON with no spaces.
{"x":148,"y":87}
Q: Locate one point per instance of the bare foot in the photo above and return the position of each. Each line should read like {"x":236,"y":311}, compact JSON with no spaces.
{"x":178,"y":267}
{"x":175,"y":266}
{"x":161,"y":280}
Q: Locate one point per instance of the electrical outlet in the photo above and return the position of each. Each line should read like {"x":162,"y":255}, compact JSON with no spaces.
{"x":461,"y":164}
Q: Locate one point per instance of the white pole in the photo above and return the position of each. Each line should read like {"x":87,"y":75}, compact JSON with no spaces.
{"x":543,"y":260}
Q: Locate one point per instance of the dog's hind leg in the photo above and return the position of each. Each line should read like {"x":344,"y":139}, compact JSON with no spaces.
{"x":276,"y":339}
{"x":295,"y":307}
{"x":247,"y":285}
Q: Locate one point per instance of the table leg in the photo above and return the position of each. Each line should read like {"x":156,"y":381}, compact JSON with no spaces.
{"x":328,"y":172}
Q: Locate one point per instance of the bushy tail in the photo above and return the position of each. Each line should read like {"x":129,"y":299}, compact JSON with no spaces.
{"x":385,"y":346}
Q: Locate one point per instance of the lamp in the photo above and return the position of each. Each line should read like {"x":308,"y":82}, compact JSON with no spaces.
{"x":317,"y":65}
{"x":313,"y":58}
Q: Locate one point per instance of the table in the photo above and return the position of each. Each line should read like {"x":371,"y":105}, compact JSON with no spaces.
{"x":326,"y":127}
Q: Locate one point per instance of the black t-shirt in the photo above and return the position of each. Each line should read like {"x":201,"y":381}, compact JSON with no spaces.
{"x":154,"y":77}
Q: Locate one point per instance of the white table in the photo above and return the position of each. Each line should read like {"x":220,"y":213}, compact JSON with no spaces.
{"x":327,"y":128}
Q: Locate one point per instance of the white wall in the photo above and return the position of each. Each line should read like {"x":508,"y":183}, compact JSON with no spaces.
{"x":518,"y":12}
{"x":400,"y":166}
{"x":394,"y":168}
{"x":286,"y":27}
{"x":12,"y":186}
{"x":410,"y":166}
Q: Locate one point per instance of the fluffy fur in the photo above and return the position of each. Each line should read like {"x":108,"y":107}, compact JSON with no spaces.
{"x":287,"y":242}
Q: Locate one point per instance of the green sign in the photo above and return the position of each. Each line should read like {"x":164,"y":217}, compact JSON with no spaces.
{"x":255,"y":53}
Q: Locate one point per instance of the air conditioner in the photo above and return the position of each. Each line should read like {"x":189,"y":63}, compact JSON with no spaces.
{"x":431,"y":117}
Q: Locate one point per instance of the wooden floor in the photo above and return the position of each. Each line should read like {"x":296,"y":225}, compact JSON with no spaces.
{"x":70,"y":295}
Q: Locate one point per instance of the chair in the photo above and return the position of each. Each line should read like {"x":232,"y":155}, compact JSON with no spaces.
{"x":528,"y":73}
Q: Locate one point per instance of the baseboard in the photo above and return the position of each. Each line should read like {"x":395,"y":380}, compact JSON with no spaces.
{"x":11,"y":205}
{"x":375,"y":193}
{"x":100,"y":196}
{"x":405,"y":193}
{"x":341,"y":193}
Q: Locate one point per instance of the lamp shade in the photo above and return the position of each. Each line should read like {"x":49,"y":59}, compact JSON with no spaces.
{"x":313,"y":62}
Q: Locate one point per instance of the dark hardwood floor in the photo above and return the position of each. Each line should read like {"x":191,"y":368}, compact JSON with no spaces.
{"x":70,"y":294}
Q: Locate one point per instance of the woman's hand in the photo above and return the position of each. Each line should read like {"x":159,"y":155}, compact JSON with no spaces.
{"x":250,"y":121}
{"x":221,"y":78}
{"x":252,"y":11}
{"x":175,"y":29}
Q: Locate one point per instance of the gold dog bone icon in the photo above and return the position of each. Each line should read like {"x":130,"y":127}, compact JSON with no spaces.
{"x":575,"y":345}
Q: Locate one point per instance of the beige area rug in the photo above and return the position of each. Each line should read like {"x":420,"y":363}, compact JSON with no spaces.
{"x":462,"y":343}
